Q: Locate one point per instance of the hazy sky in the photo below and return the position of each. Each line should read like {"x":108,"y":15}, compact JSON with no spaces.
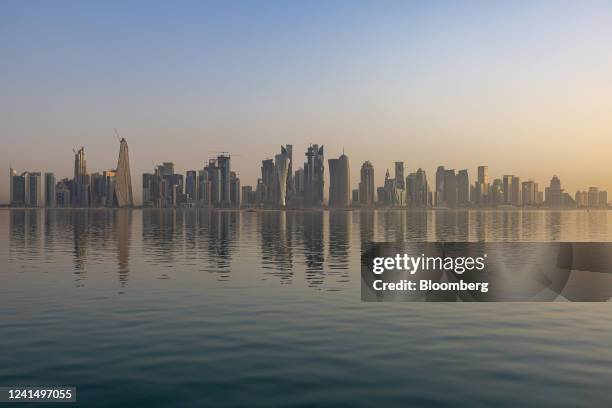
{"x":523,"y":87}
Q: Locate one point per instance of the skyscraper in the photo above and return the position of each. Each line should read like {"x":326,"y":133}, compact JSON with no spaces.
{"x":281,"y":164}
{"x":366,"y":185}
{"x":439,"y":195}
{"x":50,"y":190}
{"x":12,"y":173}
{"x":268,"y":178}
{"x":235,"y":198}
{"x":450,"y":188}
{"x":516,"y":191}
{"x":288,"y":151}
{"x":593,"y":197}
{"x":339,"y":182}
{"x":463,"y":188}
{"x":554,"y":193}
{"x":81,"y":193}
{"x":123,"y":178}
{"x":399,"y":175}
{"x":508,"y":189}
{"x":298,"y":182}
{"x":224,"y":164}
{"x":191,"y":185}
{"x":481,"y":187}
{"x":214,"y":177}
{"x":314,"y":176}
{"x":418,"y":189}
{"x":529,"y":193}
{"x":35,"y":196}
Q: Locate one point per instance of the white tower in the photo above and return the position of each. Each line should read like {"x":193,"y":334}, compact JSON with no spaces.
{"x":281,"y":163}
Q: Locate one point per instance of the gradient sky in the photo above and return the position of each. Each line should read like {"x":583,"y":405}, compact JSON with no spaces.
{"x":525,"y":88}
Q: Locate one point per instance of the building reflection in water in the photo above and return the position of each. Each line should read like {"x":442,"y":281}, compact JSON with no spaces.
{"x":191,"y":238}
{"x":339,"y":243}
{"x":276,"y":232}
{"x":318,"y":244}
{"x":122,"y":227}
{"x":311,"y":223}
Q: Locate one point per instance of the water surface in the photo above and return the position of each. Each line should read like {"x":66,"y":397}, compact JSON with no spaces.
{"x":235,"y":308}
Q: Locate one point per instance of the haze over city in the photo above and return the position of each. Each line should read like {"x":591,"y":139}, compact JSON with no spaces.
{"x":523,"y":88}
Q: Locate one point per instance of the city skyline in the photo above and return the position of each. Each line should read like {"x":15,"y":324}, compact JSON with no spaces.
{"x":524,"y":87}
{"x":216,"y":185}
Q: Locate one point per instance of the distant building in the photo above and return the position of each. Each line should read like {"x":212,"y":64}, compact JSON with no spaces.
{"x":529,"y":193}
{"x":35,"y":197}
{"x":224,"y":164}
{"x":235,"y":197}
{"x":399,"y":175}
{"x":50,"y":190}
{"x":80,"y":195}
{"x":340,"y":184}
{"x":62,"y":194}
{"x":516,"y":191}
{"x":508,"y":189}
{"x":450,"y":188}
{"x":12,"y":173}
{"x":355,"y":197}
{"x":593,"y":197}
{"x":366,"y":185}
{"x":439,"y":192}
{"x":314,"y":176}
{"x":554,"y":193}
{"x":191,"y":185}
{"x":380,"y":195}
{"x":248,"y":196}
{"x":481,"y":187}
{"x":299,"y":182}
{"x":282,"y":162}
{"x":268,"y":180}
{"x":603,"y":199}
{"x":122,"y":193}
{"x":417,"y":189}
{"x":214,"y":179}
{"x":463,"y":188}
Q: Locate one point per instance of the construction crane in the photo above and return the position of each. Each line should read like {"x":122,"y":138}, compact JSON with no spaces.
{"x":117,"y":134}
{"x":223,"y":153}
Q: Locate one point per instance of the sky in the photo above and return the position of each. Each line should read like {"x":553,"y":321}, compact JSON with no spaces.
{"x":523,"y":87}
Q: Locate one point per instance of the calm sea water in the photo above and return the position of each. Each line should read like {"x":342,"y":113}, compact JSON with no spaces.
{"x":226,"y":308}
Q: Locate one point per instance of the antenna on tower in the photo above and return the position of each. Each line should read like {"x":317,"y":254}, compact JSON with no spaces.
{"x":117,"y":134}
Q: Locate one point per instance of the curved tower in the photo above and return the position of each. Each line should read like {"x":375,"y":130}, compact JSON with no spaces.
{"x":282,"y":169}
{"x":123,"y":183}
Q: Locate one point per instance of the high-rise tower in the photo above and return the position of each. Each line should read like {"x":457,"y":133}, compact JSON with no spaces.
{"x":281,"y":164}
{"x":366,"y":185}
{"x":339,"y":182}
{"x":313,"y":176}
{"x":123,"y":183}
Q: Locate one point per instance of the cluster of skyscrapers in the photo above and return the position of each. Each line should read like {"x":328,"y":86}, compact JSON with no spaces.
{"x":216,"y":185}
{"x":110,"y":188}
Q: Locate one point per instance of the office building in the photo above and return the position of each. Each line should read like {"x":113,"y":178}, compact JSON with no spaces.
{"x":463,"y":188}
{"x":224,"y":164}
{"x":50,"y":190}
{"x":235,"y":198}
{"x":450,"y":188}
{"x":314,"y":176}
{"x":123,"y":196}
{"x":366,"y":185}
{"x":399,"y":175}
{"x":339,"y":182}
{"x":191,"y":185}
{"x":439,"y":193}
